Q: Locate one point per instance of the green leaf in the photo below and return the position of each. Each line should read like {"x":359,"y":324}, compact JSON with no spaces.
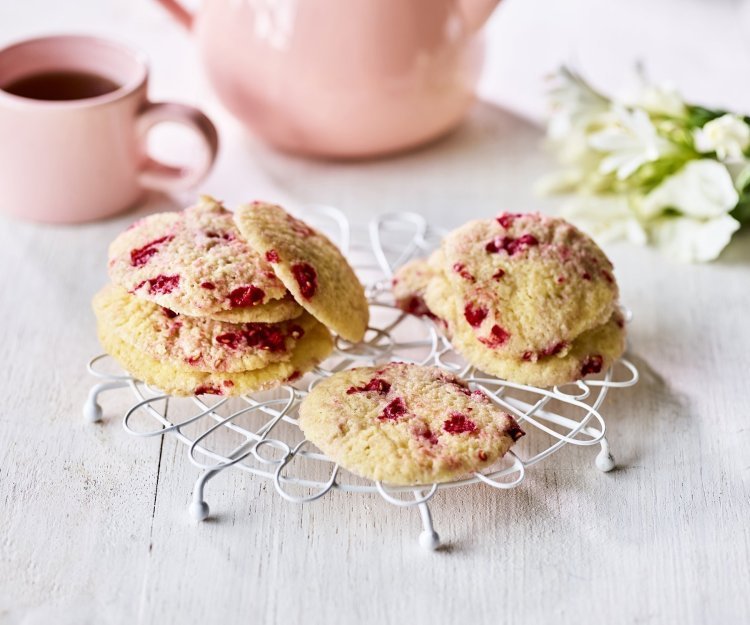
{"x":651,"y":175}
{"x":700,"y":116}
{"x":741,"y":212}
{"x":742,"y":181}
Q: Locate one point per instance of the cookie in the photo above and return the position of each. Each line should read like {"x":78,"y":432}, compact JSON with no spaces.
{"x":175,"y":379}
{"x":196,"y":342}
{"x":311,"y":267}
{"x":195,"y":262}
{"x":527,"y":283}
{"x":405,"y":424}
{"x":274,"y":311}
{"x":409,"y":284}
{"x":591,"y":352}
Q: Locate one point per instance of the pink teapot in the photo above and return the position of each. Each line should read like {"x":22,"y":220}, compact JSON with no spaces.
{"x":342,"y":78}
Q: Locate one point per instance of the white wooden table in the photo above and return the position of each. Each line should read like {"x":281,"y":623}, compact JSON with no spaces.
{"x":93,"y":523}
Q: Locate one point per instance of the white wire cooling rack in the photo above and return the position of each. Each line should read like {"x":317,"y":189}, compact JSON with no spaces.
{"x":258,"y":433}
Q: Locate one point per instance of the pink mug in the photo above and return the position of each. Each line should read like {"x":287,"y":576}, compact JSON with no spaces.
{"x":74,"y":115}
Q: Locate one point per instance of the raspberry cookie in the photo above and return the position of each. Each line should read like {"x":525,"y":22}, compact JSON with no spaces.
{"x":198,"y":343}
{"x":591,"y":352}
{"x":526,"y":283}
{"x":406,"y":424}
{"x":274,"y":311}
{"x":173,"y":376}
{"x":196,"y":263}
{"x":409,"y":284}
{"x":309,"y":265}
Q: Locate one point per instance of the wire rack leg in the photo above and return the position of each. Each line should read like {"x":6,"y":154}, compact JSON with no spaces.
{"x":605,"y":461}
{"x":429,"y":538}
{"x":92,"y":411}
{"x":198,"y":508}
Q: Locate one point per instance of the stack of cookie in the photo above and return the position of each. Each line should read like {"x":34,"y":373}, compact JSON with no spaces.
{"x":525,"y":297}
{"x":207,"y":301}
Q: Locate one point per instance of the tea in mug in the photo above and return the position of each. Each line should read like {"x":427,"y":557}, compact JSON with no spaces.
{"x":61,"y":85}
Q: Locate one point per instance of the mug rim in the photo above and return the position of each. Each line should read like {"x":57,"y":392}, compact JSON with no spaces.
{"x":122,"y":91}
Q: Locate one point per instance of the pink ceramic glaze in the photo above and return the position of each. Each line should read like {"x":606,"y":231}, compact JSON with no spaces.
{"x":77,"y":160}
{"x":342,"y":78}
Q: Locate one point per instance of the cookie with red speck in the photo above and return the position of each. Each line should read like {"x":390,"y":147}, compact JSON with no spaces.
{"x":408,"y":285}
{"x":406,"y":424}
{"x":527,"y":282}
{"x":274,"y":311}
{"x":198,"y":343}
{"x":591,"y":352}
{"x":178,"y":378}
{"x":196,"y":263}
{"x":310,"y":266}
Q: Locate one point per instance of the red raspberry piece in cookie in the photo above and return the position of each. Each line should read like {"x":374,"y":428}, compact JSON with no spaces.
{"x":378,"y":385}
{"x":592,"y":364}
{"x":474,"y":314}
{"x":459,"y":424}
{"x":395,"y":409}
{"x":244,"y":296}
{"x":141,"y":255}
{"x":307,"y":279}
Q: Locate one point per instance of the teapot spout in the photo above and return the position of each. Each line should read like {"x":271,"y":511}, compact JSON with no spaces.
{"x":178,"y":12}
{"x":477,"y":12}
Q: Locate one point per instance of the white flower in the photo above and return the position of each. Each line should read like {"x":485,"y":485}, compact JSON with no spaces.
{"x":630,"y":142}
{"x":728,"y":136}
{"x":703,"y":193}
{"x":575,"y":105}
{"x":702,"y":189}
{"x":579,"y":172}
{"x":606,"y":217}
{"x":693,"y":240}
{"x":661,"y":100}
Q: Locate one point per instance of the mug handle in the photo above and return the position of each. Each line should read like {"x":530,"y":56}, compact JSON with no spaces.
{"x":162,"y":177}
{"x":178,"y":12}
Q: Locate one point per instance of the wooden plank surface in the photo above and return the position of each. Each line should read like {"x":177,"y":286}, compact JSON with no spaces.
{"x":94,"y":525}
